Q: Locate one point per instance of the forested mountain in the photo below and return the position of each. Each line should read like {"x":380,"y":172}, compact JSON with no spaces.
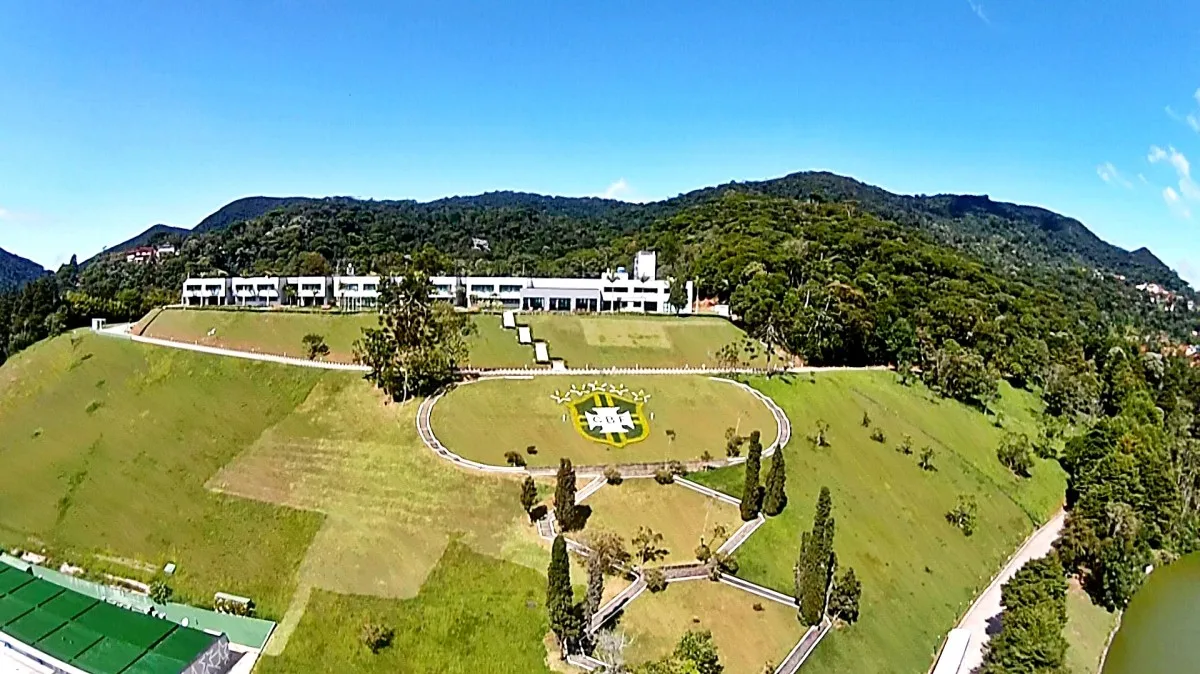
{"x":244,"y":209}
{"x":16,"y":270}
{"x":155,"y":234}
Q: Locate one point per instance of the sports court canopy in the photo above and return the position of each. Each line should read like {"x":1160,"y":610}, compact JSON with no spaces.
{"x":91,"y":635}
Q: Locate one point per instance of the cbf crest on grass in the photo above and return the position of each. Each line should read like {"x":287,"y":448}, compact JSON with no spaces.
{"x":606,"y":413}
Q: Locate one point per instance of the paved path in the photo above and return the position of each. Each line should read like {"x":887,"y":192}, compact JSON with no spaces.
{"x":983,"y":616}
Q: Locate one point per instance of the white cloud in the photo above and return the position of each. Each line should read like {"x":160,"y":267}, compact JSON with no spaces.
{"x":1109,"y":174}
{"x":1188,"y":188}
{"x":977,"y":7}
{"x":1197,"y":96}
{"x":1175,"y":203}
{"x":1193,"y":122}
{"x":618,"y":190}
{"x":5,"y":214}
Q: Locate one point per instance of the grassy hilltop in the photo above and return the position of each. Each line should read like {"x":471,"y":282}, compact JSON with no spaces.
{"x":304,"y":490}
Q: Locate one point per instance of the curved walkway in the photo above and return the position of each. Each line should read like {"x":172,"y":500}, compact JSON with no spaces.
{"x":983,"y":618}
{"x":783,"y":428}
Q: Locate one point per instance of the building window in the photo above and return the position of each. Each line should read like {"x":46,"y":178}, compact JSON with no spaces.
{"x":369,"y":287}
{"x":510,"y":289}
{"x":442,"y":289}
{"x":651,"y":306}
{"x":483,"y":288}
{"x":560,"y":304}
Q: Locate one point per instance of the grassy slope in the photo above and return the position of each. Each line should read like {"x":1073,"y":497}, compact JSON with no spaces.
{"x":484,"y":420}
{"x":746,"y":639}
{"x":281,"y":332}
{"x":106,"y":446}
{"x":918,"y":573}
{"x":474,"y":614}
{"x":631,"y":339}
{"x":681,"y":515}
{"x":1088,"y":627}
{"x":391,"y":505}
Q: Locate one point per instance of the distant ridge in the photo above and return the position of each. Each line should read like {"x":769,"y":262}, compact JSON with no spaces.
{"x":16,"y":270}
{"x":1011,"y":235}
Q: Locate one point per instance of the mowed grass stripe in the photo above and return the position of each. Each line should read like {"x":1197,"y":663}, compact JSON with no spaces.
{"x":282,"y":333}
{"x":631,"y":340}
{"x":107,"y":445}
{"x":918,"y":572}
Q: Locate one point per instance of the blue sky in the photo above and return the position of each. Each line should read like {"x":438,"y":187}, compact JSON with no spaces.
{"x":118,"y":115}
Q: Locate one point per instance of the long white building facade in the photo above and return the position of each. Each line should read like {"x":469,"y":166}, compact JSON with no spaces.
{"x":636,"y":291}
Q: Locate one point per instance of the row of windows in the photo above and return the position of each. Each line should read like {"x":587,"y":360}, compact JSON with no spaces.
{"x":638,"y":289}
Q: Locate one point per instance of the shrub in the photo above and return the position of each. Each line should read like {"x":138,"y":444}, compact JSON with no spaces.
{"x":656,"y":580}
{"x":1016,"y":453}
{"x":531,"y":450}
{"x":613,"y":476}
{"x":926,"y":462}
{"x":514,"y":459}
{"x":93,"y":406}
{"x":677,"y":468}
{"x":703,"y":553}
{"x":314,"y":346}
{"x":964,"y":515}
{"x":670,"y":434}
{"x":706,"y":456}
{"x":160,"y":592}
{"x":757,"y":606}
{"x":877,"y":435}
{"x":905,"y":446}
{"x":664,"y":476}
{"x":866,"y":420}
{"x":376,"y":637}
{"x":820,"y":436}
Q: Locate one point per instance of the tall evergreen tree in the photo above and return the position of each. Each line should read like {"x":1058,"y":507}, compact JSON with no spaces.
{"x":775,"y":498}
{"x":751,"y":491}
{"x":559,"y":597}
{"x":814,"y":569}
{"x":564,"y":496}
{"x":528,"y":495}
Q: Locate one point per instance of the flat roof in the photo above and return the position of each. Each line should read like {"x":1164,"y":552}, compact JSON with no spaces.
{"x":92,"y":635}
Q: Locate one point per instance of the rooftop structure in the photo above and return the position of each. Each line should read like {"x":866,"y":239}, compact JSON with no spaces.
{"x":619,"y":291}
{"x":45,"y":627}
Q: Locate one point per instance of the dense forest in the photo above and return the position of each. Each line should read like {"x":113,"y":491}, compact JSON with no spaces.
{"x":16,"y":270}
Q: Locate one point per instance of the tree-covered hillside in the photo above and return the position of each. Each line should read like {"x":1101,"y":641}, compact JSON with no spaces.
{"x":16,"y":270}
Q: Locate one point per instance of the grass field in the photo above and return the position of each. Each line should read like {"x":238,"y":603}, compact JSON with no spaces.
{"x":281,"y":332}
{"x":106,"y":446}
{"x":681,"y":515}
{"x":631,"y":339}
{"x":483,"y":420}
{"x":918,"y":573}
{"x":1088,"y":627}
{"x":474,"y":614}
{"x":746,"y":639}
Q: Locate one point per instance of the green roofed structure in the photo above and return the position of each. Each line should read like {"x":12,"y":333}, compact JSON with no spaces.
{"x":46,"y":628}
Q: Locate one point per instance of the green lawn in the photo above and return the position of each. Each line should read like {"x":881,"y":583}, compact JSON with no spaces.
{"x":474,"y":614}
{"x":746,"y":639}
{"x":681,"y":515}
{"x":281,"y":332}
{"x":483,"y":420}
{"x":106,"y":446}
{"x":1088,"y":627}
{"x":918,"y":573}
{"x":632,"y":339}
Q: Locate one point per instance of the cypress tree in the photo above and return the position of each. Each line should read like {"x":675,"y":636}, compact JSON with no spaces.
{"x":775,"y":499}
{"x":752,"y":492}
{"x":559,"y":597}
{"x":528,"y":495}
{"x":564,"y":496}
{"x":814,"y":569}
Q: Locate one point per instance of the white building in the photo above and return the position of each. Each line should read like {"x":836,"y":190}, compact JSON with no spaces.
{"x":206,"y":291}
{"x":637,"y":292}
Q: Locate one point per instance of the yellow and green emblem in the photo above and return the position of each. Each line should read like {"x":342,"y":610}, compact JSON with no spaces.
{"x":608,"y":414}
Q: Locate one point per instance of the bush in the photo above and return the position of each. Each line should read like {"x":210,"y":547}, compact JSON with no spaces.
{"x":514,"y":459}
{"x":877,"y":435}
{"x":703,"y":553}
{"x":1016,"y":453}
{"x":664,"y":476}
{"x":376,"y":637}
{"x":613,"y":476}
{"x":314,"y":346}
{"x":905,"y":446}
{"x":531,"y":450}
{"x":160,"y":592}
{"x":656,"y":580}
{"x":757,"y":606}
{"x":706,"y":456}
{"x":964,"y":515}
{"x":677,"y":468}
